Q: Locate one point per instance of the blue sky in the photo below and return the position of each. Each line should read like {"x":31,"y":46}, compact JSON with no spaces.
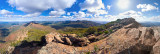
{"x":94,"y":10}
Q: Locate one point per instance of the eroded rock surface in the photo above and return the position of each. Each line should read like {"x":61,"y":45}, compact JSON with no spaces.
{"x":139,"y":40}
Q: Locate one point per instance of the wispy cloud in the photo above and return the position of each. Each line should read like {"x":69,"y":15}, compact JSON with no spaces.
{"x":4,"y":12}
{"x":146,"y":7}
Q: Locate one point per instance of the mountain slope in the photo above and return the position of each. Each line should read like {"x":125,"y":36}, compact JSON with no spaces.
{"x":131,"y":38}
{"x":74,"y":24}
{"x":22,"y":32}
{"x":31,"y":32}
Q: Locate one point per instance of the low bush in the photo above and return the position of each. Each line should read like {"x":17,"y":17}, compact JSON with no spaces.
{"x":35,"y":35}
{"x":15,"y":43}
{"x":106,"y":32}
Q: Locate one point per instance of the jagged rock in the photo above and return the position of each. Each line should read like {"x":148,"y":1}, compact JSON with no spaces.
{"x":156,"y":32}
{"x":68,"y":41}
{"x":148,"y":38}
{"x":49,"y":37}
{"x":57,"y":48}
{"x":58,"y":39}
{"x":156,"y":48}
{"x":10,"y":49}
{"x":83,"y":41}
{"x":64,"y":34}
{"x":92,"y":38}
{"x":133,"y":25}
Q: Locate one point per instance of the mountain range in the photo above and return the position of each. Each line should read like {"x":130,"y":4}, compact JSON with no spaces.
{"x":123,"y":36}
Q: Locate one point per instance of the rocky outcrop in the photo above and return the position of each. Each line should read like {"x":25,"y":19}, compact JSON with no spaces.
{"x":49,"y":38}
{"x":72,"y":35}
{"x":132,"y":41}
{"x":156,"y":48}
{"x":68,"y":41}
{"x":53,"y":36}
{"x":141,"y":40}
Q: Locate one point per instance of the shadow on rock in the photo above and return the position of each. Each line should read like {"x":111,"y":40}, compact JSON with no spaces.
{"x":29,"y":47}
{"x":137,"y":49}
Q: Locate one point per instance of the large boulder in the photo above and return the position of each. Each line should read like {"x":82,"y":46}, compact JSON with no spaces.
{"x":92,"y":38}
{"x":83,"y":41}
{"x":148,"y":38}
{"x":68,"y":41}
{"x":58,"y":39}
{"x":72,"y":35}
{"x":63,"y":35}
{"x":156,"y":48}
{"x":54,"y":36}
{"x":49,"y":37}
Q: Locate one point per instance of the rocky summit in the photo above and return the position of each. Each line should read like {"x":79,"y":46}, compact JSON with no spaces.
{"x":132,"y":38}
{"x":127,"y":37}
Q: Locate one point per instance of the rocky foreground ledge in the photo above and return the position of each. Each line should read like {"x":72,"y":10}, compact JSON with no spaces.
{"x":130,"y":39}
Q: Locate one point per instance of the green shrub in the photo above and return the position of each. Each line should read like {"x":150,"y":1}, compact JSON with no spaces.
{"x":69,"y":30}
{"x":35,"y":35}
{"x":95,"y":48}
{"x":88,"y":52}
{"x":106,"y":32}
{"x":91,"y":30}
{"x":80,"y":35}
{"x":16,"y":43}
{"x":3,"y":51}
{"x":110,"y":30}
{"x":100,"y":32}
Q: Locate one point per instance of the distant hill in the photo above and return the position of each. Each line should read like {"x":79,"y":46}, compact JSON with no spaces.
{"x":23,"y":30}
{"x":8,"y":27}
{"x":150,"y":24}
{"x":74,"y":24}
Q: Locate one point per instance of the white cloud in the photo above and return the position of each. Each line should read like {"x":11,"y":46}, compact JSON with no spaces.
{"x":131,"y":13}
{"x":5,"y":12}
{"x":57,"y":13}
{"x":146,"y":7}
{"x":32,"y":15}
{"x":155,"y":18}
{"x":92,"y":4}
{"x":68,"y":13}
{"x":97,"y":12}
{"x":33,"y":6}
{"x":156,"y":3}
{"x":80,"y":14}
{"x":134,"y":14}
{"x":93,"y":7}
{"x":109,"y":7}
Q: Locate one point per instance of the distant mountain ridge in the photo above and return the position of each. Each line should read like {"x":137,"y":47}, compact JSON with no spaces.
{"x":150,"y":24}
{"x":120,"y":37}
{"x":74,"y":24}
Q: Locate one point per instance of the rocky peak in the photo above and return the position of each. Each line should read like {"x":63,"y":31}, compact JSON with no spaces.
{"x":30,"y":23}
{"x":127,"y":21}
